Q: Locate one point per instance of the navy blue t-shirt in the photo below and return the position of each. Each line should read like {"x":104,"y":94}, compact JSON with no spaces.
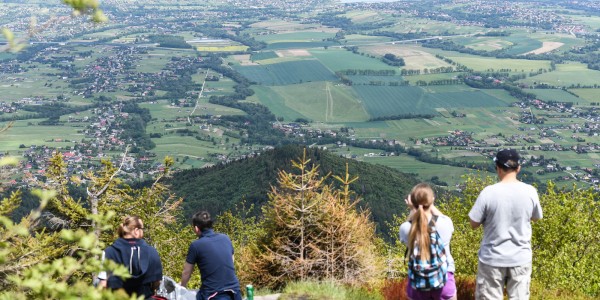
{"x":213,"y":254}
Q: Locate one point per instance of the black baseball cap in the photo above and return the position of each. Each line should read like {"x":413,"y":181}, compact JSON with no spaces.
{"x":508,"y":158}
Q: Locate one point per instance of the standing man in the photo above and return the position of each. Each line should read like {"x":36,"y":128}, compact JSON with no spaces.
{"x":505,"y":210}
{"x":213,"y":253}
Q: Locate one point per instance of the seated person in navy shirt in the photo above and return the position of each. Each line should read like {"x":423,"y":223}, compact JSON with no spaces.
{"x":213,"y":254}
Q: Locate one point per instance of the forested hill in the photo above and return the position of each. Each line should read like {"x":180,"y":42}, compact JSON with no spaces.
{"x":219,"y":188}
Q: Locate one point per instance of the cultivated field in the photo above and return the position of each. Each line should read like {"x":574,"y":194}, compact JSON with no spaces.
{"x":555,"y":95}
{"x":587,"y":96}
{"x":566,"y":75}
{"x":287,"y":72}
{"x":291,"y":26}
{"x":381,"y":101}
{"x":339,"y":59}
{"x":28,"y":133}
{"x":317,"y":101}
{"x":414,"y":56}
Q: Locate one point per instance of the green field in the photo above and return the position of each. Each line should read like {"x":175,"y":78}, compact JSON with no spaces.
{"x":164,"y":110}
{"x":340,"y":59}
{"x":409,"y":24}
{"x":287,"y":73}
{"x":297,"y":37}
{"x":555,"y":95}
{"x":522,"y":44}
{"x":359,"y":39}
{"x":566,"y":75}
{"x":263,"y":55}
{"x":317,"y":101}
{"x":483,"y":43}
{"x":478,"y":63}
{"x":586,"y":96}
{"x":179,"y":148}
{"x":381,"y":101}
{"x":27,"y":132}
{"x":36,"y":81}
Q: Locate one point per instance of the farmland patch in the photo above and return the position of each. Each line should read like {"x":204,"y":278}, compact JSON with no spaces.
{"x":339,"y":59}
{"x":321,"y":102}
{"x":389,"y":101}
{"x":287,"y":72}
{"x":414,"y":57}
{"x":546,"y":47}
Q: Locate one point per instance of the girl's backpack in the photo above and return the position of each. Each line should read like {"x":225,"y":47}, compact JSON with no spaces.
{"x":432,"y":273}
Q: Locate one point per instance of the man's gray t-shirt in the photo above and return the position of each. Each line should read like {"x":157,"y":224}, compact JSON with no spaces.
{"x":505,"y":210}
{"x":444,"y":227}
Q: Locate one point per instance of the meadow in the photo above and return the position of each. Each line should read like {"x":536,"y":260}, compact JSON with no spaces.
{"x":28,"y":133}
{"x":287,"y":72}
{"x":340,"y":59}
{"x":587,"y":96}
{"x":415,"y":57}
{"x":556,"y":95}
{"x":566,"y":75}
{"x":316,"y":101}
{"x":381,"y":101}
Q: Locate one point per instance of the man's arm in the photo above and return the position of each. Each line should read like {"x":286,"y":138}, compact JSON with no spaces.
{"x":474,"y":224}
{"x":187,"y":273}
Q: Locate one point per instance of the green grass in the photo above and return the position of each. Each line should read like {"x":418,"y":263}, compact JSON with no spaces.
{"x":586,"y":96}
{"x":387,"y":101}
{"x":339,"y":59}
{"x":263,"y":55}
{"x":408,"y":164}
{"x":287,"y":73}
{"x":299,"y":37}
{"x":358,"y":39}
{"x":522,"y":44}
{"x":317,"y":101}
{"x":554,"y":95}
{"x":567,"y":74}
{"x":35,"y":82}
{"x":326,"y":291}
{"x":483,"y":43}
{"x":198,"y":152}
{"x":485,"y":63}
{"x":23,"y":133}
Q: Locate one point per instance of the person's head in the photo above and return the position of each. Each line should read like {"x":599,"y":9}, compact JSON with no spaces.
{"x":421,"y":197}
{"x":507,"y":161}
{"x":131,"y":227}
{"x":202,"y":220}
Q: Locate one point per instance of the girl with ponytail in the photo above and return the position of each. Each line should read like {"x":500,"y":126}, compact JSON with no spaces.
{"x":423,"y":220}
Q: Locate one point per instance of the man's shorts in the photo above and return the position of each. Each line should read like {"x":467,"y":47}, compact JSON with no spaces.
{"x":491,"y":281}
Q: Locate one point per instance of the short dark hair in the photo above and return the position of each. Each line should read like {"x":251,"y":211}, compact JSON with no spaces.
{"x":507,"y":159}
{"x":202,"y":220}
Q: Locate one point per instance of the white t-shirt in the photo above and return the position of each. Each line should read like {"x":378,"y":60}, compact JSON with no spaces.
{"x":505,"y":210}
{"x":444,"y":227}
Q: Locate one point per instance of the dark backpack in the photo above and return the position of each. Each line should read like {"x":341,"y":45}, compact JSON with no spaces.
{"x":432,"y":273}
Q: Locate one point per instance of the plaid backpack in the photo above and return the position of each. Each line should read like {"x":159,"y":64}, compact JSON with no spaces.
{"x":430,"y":274}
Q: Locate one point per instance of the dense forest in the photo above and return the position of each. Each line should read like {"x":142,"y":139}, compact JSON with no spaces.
{"x":221,"y":187}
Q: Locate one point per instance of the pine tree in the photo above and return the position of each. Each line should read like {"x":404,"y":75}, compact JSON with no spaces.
{"x":314,"y":232}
